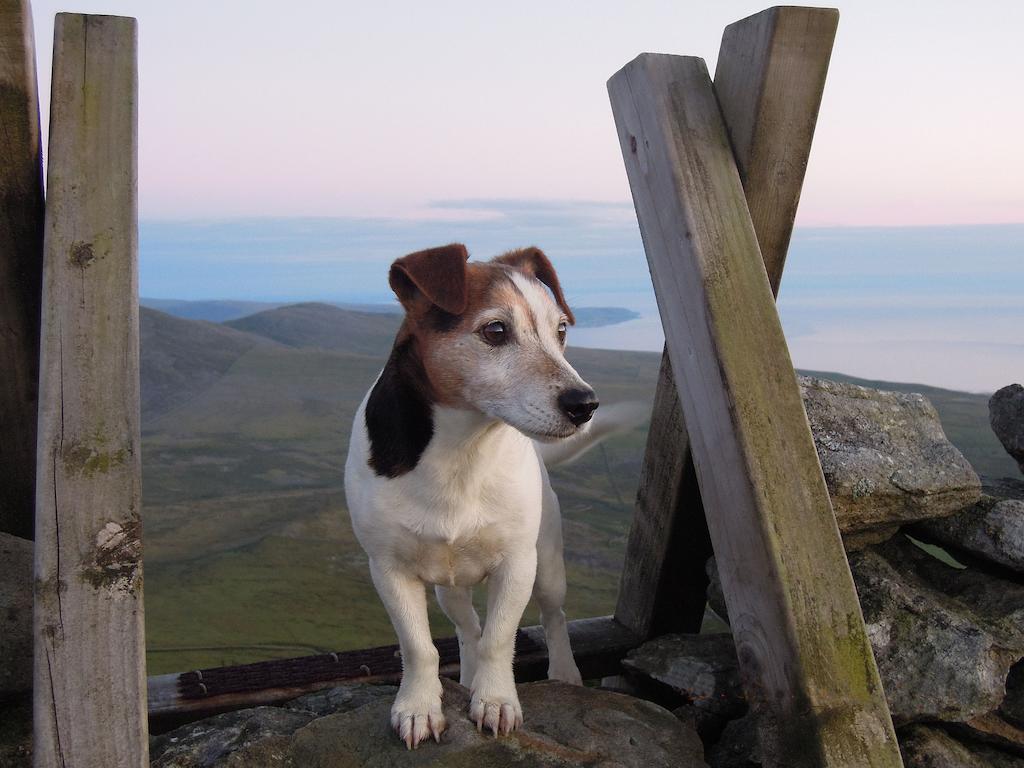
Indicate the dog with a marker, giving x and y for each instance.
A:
(446, 480)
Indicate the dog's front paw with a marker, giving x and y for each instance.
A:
(496, 707)
(415, 715)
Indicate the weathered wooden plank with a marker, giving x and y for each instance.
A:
(662, 586)
(808, 668)
(769, 82)
(90, 682)
(21, 266)
(599, 644)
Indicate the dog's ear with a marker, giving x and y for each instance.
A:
(534, 263)
(436, 276)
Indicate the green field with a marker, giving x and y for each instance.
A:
(249, 551)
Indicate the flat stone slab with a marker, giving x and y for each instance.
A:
(565, 726)
(945, 639)
(701, 669)
(885, 457)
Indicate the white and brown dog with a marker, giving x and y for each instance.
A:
(445, 478)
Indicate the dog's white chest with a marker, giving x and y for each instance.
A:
(457, 515)
(461, 562)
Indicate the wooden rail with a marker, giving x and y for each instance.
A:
(89, 709)
(21, 266)
(769, 81)
(809, 672)
(598, 645)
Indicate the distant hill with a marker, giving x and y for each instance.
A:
(226, 310)
(324, 326)
(215, 310)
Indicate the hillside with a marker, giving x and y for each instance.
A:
(249, 552)
(324, 326)
(181, 358)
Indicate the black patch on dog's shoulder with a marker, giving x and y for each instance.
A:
(399, 416)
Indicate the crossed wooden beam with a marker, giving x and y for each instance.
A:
(716, 172)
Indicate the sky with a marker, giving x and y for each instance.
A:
(383, 108)
(292, 155)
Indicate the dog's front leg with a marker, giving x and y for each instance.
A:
(457, 604)
(495, 703)
(416, 713)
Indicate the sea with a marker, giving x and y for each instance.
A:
(942, 306)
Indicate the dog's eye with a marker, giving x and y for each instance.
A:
(494, 333)
(561, 331)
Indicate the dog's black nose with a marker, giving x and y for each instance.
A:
(578, 405)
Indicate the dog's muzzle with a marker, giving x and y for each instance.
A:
(578, 405)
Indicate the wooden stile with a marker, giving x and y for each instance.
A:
(90, 683)
(769, 82)
(808, 668)
(21, 266)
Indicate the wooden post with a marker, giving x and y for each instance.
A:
(808, 668)
(769, 81)
(21, 266)
(90, 683)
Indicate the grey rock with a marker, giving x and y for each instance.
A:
(702, 670)
(925, 747)
(212, 741)
(855, 541)
(944, 639)
(15, 615)
(993, 529)
(1003, 487)
(994, 604)
(738, 746)
(263, 730)
(1012, 708)
(993, 730)
(885, 457)
(565, 726)
(342, 698)
(1006, 414)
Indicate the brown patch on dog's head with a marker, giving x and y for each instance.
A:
(435, 277)
(534, 263)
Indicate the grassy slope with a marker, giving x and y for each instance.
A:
(249, 552)
(324, 326)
